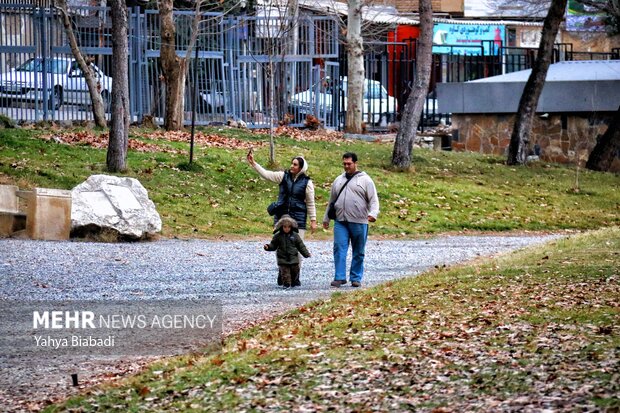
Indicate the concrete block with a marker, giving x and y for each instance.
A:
(8, 198)
(11, 222)
(437, 143)
(49, 214)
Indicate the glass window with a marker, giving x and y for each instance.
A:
(36, 65)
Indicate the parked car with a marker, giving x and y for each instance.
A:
(64, 82)
(377, 106)
(210, 97)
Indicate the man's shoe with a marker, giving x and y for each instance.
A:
(356, 284)
(338, 283)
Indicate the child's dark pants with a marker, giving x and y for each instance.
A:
(289, 275)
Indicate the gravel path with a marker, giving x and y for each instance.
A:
(239, 273)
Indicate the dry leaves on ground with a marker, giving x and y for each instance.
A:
(100, 141)
(305, 134)
(209, 140)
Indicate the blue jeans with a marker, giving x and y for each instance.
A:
(355, 234)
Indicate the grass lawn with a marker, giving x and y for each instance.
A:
(222, 195)
(527, 331)
(530, 330)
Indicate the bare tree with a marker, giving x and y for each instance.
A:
(403, 145)
(119, 126)
(355, 70)
(275, 30)
(94, 86)
(173, 66)
(519, 140)
(519, 8)
(611, 8)
(277, 36)
(359, 28)
(607, 148)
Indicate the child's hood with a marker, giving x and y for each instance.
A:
(286, 219)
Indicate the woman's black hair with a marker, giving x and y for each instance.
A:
(301, 162)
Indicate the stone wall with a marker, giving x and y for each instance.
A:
(561, 138)
(595, 42)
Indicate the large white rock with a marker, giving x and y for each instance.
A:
(121, 204)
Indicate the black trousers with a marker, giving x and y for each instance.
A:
(288, 275)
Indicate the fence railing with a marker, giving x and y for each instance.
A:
(261, 69)
(241, 67)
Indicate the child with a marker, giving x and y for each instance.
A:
(288, 244)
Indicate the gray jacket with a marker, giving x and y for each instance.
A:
(358, 200)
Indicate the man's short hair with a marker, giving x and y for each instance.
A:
(350, 155)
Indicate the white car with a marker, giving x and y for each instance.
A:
(377, 106)
(62, 78)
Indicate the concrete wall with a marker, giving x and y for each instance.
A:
(490, 134)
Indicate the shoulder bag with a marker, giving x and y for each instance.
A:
(331, 209)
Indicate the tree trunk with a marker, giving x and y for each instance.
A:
(293, 49)
(173, 68)
(119, 124)
(520, 138)
(607, 148)
(403, 145)
(355, 72)
(94, 86)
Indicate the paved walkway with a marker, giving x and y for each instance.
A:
(239, 273)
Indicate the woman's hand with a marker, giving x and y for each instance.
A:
(312, 226)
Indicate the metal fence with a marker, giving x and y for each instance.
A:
(262, 69)
(246, 68)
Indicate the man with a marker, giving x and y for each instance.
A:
(355, 206)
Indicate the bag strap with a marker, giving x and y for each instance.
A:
(345, 184)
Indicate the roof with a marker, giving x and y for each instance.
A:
(566, 71)
(506, 8)
(370, 14)
(488, 22)
(388, 15)
(580, 86)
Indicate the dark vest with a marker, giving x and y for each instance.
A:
(293, 196)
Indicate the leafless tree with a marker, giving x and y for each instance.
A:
(355, 69)
(609, 7)
(607, 148)
(520, 8)
(358, 28)
(519, 140)
(119, 126)
(403, 145)
(277, 28)
(276, 38)
(173, 67)
(94, 86)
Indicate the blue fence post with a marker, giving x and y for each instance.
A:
(45, 95)
(139, 63)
